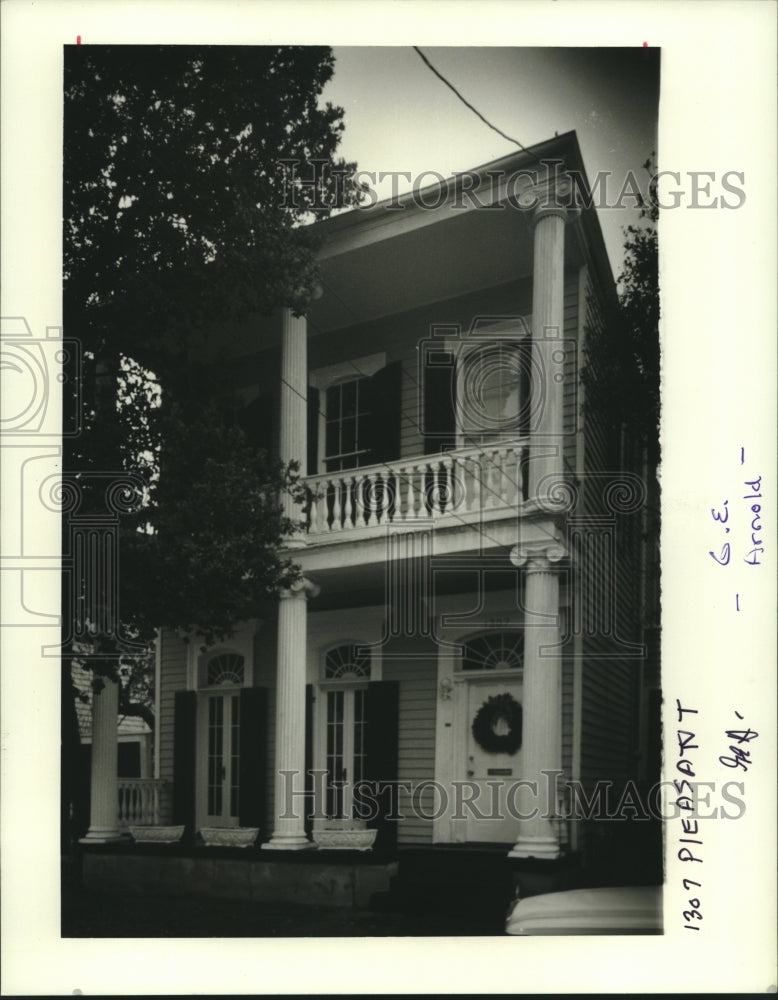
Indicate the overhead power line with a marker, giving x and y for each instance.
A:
(467, 103)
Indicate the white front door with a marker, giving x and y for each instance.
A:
(219, 728)
(493, 772)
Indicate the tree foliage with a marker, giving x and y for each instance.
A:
(179, 219)
(623, 370)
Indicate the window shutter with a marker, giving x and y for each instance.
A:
(308, 759)
(258, 421)
(252, 759)
(313, 430)
(383, 424)
(184, 751)
(439, 386)
(381, 753)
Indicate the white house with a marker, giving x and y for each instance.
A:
(479, 606)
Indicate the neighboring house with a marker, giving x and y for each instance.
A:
(480, 600)
(134, 735)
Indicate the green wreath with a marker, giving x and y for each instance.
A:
(499, 706)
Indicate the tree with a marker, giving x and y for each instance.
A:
(623, 367)
(185, 206)
(185, 201)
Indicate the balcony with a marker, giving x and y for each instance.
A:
(139, 802)
(458, 487)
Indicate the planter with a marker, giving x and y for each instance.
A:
(344, 840)
(236, 836)
(156, 834)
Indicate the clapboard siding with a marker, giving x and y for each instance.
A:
(567, 716)
(570, 413)
(416, 744)
(173, 657)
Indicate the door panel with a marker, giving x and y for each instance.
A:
(219, 799)
(492, 773)
(345, 749)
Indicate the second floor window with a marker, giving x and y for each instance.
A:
(354, 421)
(347, 416)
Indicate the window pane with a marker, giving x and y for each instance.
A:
(234, 758)
(333, 438)
(215, 757)
(348, 435)
(333, 403)
(349, 398)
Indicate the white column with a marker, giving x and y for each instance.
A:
(547, 333)
(542, 696)
(104, 802)
(289, 831)
(294, 408)
(542, 688)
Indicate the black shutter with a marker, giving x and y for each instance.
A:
(258, 421)
(308, 758)
(313, 430)
(252, 765)
(439, 387)
(381, 754)
(383, 423)
(184, 750)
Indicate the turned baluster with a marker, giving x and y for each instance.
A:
(378, 498)
(349, 513)
(451, 486)
(412, 500)
(313, 513)
(337, 511)
(401, 501)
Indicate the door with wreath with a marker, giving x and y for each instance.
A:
(493, 760)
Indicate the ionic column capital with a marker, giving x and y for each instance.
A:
(301, 590)
(538, 557)
(555, 197)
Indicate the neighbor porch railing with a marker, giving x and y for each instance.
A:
(139, 801)
(456, 484)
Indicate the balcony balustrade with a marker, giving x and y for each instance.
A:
(455, 486)
(139, 801)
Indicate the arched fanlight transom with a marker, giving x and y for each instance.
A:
(225, 668)
(494, 651)
(343, 664)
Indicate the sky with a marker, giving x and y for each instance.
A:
(400, 117)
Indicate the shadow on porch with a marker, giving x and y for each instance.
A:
(126, 907)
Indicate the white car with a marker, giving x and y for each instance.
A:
(618, 910)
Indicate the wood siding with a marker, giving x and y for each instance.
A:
(416, 738)
(173, 655)
(610, 679)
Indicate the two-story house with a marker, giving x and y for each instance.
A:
(470, 635)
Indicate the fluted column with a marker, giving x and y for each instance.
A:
(289, 804)
(547, 348)
(294, 415)
(542, 696)
(104, 801)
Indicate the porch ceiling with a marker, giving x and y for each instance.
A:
(426, 257)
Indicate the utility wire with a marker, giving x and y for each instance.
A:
(468, 105)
